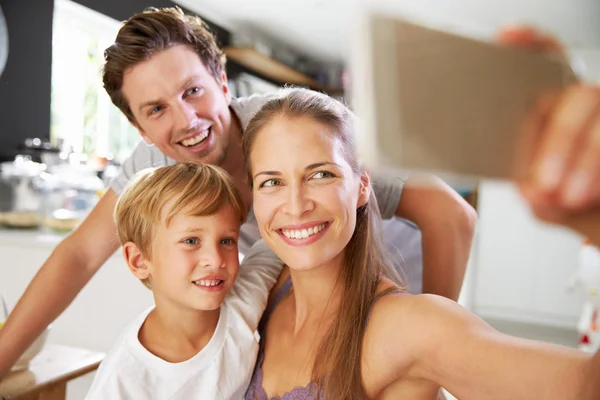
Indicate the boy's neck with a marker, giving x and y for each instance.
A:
(176, 335)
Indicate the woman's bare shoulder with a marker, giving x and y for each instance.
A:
(401, 328)
(408, 324)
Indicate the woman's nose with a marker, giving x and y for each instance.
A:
(297, 201)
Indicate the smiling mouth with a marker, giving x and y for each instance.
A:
(303, 233)
(208, 282)
(196, 139)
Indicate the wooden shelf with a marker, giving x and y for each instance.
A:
(268, 67)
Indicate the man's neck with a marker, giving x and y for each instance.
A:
(234, 159)
(176, 334)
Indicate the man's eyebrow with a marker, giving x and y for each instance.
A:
(158, 101)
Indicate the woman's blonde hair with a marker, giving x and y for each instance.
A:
(197, 189)
(337, 365)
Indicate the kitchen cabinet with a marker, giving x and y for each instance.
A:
(521, 266)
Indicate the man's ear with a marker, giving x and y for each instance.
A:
(222, 81)
(364, 189)
(136, 261)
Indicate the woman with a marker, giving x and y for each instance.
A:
(338, 326)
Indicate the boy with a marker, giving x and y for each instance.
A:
(179, 227)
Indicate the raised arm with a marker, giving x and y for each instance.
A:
(70, 266)
(258, 273)
(449, 346)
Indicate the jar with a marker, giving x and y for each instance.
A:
(23, 185)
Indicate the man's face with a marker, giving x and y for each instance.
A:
(179, 106)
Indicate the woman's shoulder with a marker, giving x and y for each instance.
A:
(410, 321)
(402, 329)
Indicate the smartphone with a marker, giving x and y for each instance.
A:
(442, 102)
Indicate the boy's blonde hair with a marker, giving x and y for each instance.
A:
(199, 189)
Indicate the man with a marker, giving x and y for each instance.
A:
(166, 74)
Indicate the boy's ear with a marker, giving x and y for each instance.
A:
(136, 261)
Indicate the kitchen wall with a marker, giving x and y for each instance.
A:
(25, 82)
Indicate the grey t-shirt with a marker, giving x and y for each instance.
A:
(402, 237)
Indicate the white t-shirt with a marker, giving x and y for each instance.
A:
(221, 370)
(402, 237)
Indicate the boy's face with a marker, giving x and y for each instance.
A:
(194, 261)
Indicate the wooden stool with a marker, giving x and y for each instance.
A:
(49, 372)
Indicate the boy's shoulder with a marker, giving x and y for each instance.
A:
(120, 363)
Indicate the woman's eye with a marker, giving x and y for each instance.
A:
(191, 241)
(271, 183)
(323, 174)
(228, 242)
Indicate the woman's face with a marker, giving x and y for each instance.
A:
(305, 192)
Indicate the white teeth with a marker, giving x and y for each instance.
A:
(303, 233)
(196, 139)
(208, 282)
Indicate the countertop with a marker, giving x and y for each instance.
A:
(31, 237)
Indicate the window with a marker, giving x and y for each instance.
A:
(83, 119)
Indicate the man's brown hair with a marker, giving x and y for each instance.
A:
(149, 32)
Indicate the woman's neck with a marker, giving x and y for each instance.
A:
(176, 334)
(317, 292)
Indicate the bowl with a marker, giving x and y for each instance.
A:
(33, 350)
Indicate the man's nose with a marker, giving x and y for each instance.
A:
(185, 116)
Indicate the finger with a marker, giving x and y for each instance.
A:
(542, 205)
(573, 113)
(586, 224)
(528, 38)
(530, 135)
(581, 189)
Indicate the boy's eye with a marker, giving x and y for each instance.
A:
(228, 242)
(323, 174)
(271, 183)
(191, 241)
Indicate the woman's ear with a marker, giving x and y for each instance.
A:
(136, 261)
(364, 189)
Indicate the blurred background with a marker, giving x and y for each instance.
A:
(62, 140)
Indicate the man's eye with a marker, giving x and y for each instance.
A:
(155, 110)
(323, 174)
(191, 241)
(192, 91)
(271, 183)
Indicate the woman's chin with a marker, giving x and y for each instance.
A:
(307, 263)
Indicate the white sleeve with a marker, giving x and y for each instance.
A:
(258, 273)
(143, 156)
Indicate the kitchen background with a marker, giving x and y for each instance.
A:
(61, 140)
